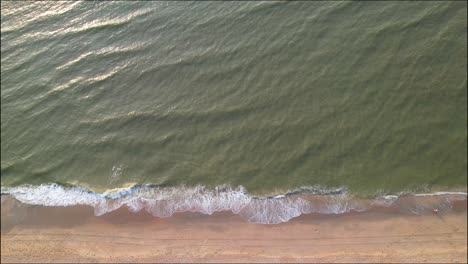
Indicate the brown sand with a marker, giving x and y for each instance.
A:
(74, 234)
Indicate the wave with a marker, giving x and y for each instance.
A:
(166, 201)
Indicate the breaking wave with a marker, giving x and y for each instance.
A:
(166, 201)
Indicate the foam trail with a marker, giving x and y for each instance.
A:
(164, 202)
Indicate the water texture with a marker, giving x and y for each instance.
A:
(271, 96)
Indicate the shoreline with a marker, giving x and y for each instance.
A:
(165, 202)
(74, 234)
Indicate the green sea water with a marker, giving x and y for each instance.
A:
(371, 96)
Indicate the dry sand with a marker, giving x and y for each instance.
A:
(74, 234)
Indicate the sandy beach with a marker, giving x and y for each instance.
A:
(74, 234)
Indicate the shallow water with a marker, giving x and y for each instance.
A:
(165, 202)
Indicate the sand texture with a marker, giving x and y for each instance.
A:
(74, 234)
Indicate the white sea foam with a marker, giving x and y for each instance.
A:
(164, 202)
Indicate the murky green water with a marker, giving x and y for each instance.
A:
(268, 95)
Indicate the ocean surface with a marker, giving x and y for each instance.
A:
(185, 101)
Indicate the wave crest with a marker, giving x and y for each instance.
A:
(164, 202)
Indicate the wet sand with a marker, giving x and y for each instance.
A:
(74, 234)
